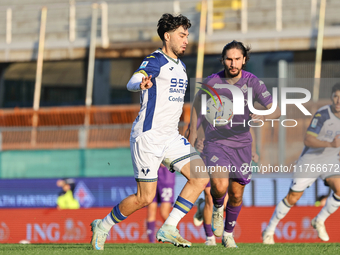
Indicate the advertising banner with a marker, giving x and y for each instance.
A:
(107, 192)
(43, 193)
(73, 226)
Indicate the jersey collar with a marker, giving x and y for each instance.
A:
(176, 61)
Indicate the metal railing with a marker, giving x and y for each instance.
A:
(229, 15)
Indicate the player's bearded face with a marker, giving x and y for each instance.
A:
(179, 41)
(233, 62)
(336, 101)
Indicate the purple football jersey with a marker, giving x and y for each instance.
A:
(237, 136)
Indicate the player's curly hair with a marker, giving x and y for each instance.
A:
(237, 45)
(336, 87)
(168, 22)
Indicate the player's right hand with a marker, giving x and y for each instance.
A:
(199, 145)
(336, 142)
(146, 83)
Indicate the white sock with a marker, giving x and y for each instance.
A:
(280, 212)
(107, 222)
(174, 217)
(332, 204)
(219, 209)
(210, 237)
(227, 233)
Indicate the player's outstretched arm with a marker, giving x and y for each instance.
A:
(139, 82)
(312, 141)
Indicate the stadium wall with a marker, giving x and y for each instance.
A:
(65, 163)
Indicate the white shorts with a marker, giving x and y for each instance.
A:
(147, 156)
(308, 170)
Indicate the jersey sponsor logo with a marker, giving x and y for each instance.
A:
(144, 64)
(329, 133)
(318, 115)
(182, 91)
(244, 88)
(314, 123)
(214, 159)
(181, 83)
(176, 99)
(150, 57)
(266, 94)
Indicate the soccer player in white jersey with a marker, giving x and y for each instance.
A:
(321, 156)
(161, 80)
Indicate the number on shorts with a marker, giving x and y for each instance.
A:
(185, 141)
(166, 194)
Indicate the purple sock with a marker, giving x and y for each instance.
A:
(208, 230)
(231, 214)
(151, 231)
(218, 202)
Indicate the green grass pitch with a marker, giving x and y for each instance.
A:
(168, 249)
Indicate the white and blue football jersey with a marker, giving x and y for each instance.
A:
(162, 104)
(324, 126)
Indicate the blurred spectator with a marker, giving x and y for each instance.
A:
(321, 201)
(66, 199)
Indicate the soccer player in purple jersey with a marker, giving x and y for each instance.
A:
(205, 206)
(229, 146)
(164, 197)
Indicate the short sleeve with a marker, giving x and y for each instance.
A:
(317, 122)
(149, 66)
(261, 94)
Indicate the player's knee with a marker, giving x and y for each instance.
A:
(235, 199)
(144, 200)
(201, 183)
(219, 190)
(293, 197)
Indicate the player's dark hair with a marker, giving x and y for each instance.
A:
(168, 22)
(237, 45)
(336, 87)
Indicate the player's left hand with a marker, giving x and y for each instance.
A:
(199, 145)
(254, 157)
(257, 118)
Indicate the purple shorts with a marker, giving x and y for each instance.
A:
(165, 186)
(235, 162)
